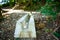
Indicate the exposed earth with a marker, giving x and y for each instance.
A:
(7, 28)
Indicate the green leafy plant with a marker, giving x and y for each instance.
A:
(51, 8)
(12, 3)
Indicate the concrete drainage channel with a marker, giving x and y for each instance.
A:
(25, 28)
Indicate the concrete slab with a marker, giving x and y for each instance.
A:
(25, 27)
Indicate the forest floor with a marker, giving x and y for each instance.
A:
(7, 28)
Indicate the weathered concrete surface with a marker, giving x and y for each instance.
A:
(25, 27)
